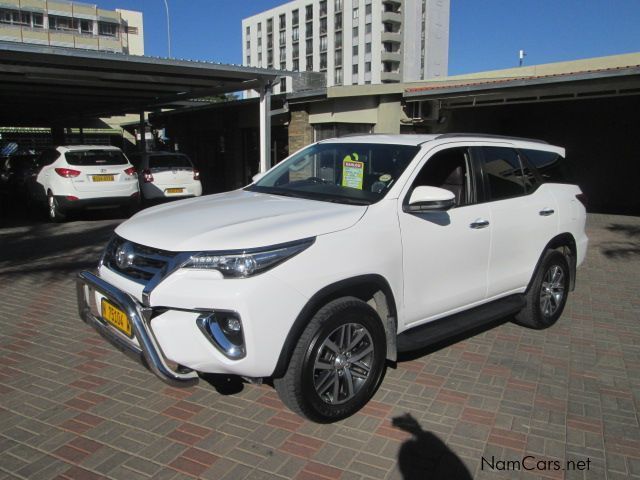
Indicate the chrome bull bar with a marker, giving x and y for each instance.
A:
(149, 352)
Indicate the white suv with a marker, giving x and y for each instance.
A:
(84, 176)
(166, 175)
(342, 255)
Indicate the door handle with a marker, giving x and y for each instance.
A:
(479, 224)
(546, 212)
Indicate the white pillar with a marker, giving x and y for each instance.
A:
(265, 128)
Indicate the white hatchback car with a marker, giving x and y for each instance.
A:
(84, 176)
(165, 175)
(342, 255)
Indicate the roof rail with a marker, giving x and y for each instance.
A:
(488, 135)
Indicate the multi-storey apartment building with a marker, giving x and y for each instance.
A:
(71, 24)
(353, 41)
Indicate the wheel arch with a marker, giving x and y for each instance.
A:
(566, 244)
(373, 289)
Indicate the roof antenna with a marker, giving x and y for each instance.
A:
(521, 56)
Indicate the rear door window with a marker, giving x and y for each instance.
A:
(503, 173)
(169, 161)
(95, 158)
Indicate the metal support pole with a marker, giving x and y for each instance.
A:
(166, 6)
(265, 128)
(142, 145)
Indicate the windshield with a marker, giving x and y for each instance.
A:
(169, 161)
(95, 157)
(358, 173)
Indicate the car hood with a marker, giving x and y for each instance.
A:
(236, 220)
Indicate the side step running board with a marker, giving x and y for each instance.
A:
(444, 328)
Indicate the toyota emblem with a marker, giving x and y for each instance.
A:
(125, 255)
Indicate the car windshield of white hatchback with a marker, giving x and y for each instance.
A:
(169, 161)
(95, 157)
(354, 173)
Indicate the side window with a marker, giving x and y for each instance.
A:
(448, 169)
(551, 166)
(503, 172)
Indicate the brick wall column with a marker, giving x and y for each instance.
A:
(300, 131)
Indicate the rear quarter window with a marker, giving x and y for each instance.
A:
(553, 168)
(95, 157)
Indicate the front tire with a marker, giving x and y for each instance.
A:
(547, 294)
(337, 364)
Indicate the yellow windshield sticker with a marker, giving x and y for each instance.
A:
(352, 172)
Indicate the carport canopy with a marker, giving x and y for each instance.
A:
(42, 86)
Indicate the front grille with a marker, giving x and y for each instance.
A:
(146, 262)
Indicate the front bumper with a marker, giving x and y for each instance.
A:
(147, 350)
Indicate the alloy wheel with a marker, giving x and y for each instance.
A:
(552, 290)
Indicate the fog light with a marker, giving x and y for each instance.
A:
(224, 331)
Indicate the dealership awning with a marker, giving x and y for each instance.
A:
(42, 86)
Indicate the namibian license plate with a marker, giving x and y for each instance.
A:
(103, 178)
(174, 190)
(116, 317)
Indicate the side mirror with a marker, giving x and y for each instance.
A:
(257, 176)
(430, 199)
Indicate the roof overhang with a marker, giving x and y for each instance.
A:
(566, 86)
(44, 86)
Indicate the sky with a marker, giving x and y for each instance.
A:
(484, 34)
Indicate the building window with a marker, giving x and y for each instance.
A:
(356, 13)
(355, 34)
(338, 58)
(68, 23)
(283, 53)
(338, 40)
(367, 28)
(354, 69)
(367, 47)
(37, 19)
(283, 65)
(269, 59)
(323, 8)
(338, 76)
(296, 65)
(296, 50)
(248, 44)
(323, 26)
(323, 61)
(283, 85)
(338, 21)
(367, 9)
(86, 27)
(323, 44)
(259, 27)
(248, 60)
(283, 37)
(367, 67)
(15, 17)
(283, 21)
(259, 59)
(354, 50)
(295, 17)
(309, 63)
(270, 25)
(259, 41)
(269, 41)
(308, 12)
(107, 29)
(309, 46)
(247, 31)
(295, 34)
(338, 6)
(309, 28)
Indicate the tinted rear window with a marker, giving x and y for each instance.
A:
(96, 157)
(552, 167)
(169, 161)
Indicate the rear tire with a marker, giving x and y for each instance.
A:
(546, 297)
(55, 214)
(338, 363)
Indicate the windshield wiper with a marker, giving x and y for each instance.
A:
(349, 201)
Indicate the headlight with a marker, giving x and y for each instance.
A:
(248, 262)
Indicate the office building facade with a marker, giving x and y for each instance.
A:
(71, 24)
(355, 42)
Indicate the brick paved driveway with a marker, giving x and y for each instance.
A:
(72, 407)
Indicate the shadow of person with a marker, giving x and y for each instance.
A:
(425, 456)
